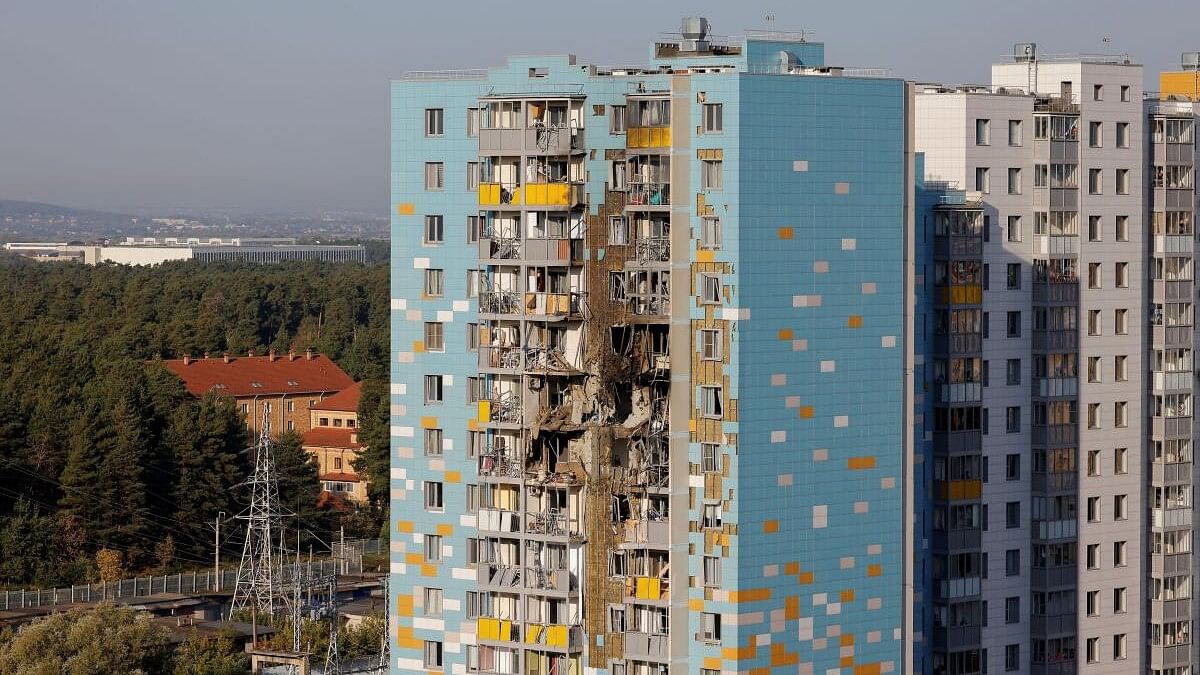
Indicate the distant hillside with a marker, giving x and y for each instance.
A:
(20, 209)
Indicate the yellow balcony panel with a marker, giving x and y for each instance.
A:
(648, 588)
(485, 411)
(956, 490)
(556, 636)
(962, 295)
(489, 194)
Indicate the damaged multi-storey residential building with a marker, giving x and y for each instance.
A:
(649, 402)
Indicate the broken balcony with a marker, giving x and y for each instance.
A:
(559, 637)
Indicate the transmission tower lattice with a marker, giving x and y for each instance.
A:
(385, 647)
(333, 659)
(259, 582)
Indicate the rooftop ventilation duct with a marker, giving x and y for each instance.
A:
(695, 34)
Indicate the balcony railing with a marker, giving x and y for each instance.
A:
(653, 305)
(552, 523)
(649, 194)
(498, 630)
(653, 249)
(1171, 517)
(504, 358)
(499, 302)
(554, 636)
(500, 465)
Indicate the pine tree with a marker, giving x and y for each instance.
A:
(209, 440)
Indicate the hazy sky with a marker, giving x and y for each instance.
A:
(282, 105)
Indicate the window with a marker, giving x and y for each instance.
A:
(1014, 228)
(1014, 181)
(710, 289)
(1121, 461)
(433, 496)
(1095, 182)
(983, 181)
(473, 117)
(1041, 177)
(433, 548)
(711, 571)
(1012, 515)
(619, 175)
(433, 389)
(1125, 93)
(1121, 321)
(1012, 372)
(1122, 134)
(433, 442)
(472, 176)
(434, 283)
(1119, 653)
(1012, 609)
(1095, 134)
(435, 176)
(983, 132)
(710, 627)
(714, 118)
(433, 602)
(710, 232)
(618, 231)
(473, 283)
(435, 339)
(472, 498)
(474, 229)
(616, 287)
(1121, 414)
(710, 174)
(434, 118)
(433, 655)
(710, 344)
(1012, 466)
(1093, 643)
(291, 425)
(1095, 275)
(1012, 562)
(1014, 132)
(1013, 276)
(1014, 324)
(987, 276)
(1093, 463)
(1120, 508)
(711, 517)
(1012, 657)
(1092, 556)
(616, 119)
(1093, 322)
(987, 324)
(472, 336)
(1093, 509)
(1093, 415)
(1120, 369)
(1094, 370)
(1122, 228)
(1121, 274)
(1097, 92)
(1122, 181)
(710, 458)
(1012, 419)
(616, 619)
(710, 402)
(1119, 599)
(1095, 229)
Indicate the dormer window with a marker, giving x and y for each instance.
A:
(256, 385)
(293, 383)
(323, 422)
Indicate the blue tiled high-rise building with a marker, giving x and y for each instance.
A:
(652, 349)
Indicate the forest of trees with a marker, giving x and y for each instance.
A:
(107, 465)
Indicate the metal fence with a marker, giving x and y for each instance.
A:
(346, 559)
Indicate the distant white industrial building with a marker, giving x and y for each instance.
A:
(154, 251)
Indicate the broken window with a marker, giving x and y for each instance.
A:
(712, 516)
(617, 564)
(710, 402)
(616, 286)
(710, 289)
